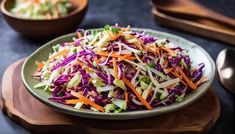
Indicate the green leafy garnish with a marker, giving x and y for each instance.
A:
(106, 27)
(74, 50)
(94, 64)
(115, 30)
(152, 64)
(93, 33)
(146, 79)
(180, 98)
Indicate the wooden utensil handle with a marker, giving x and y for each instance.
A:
(221, 18)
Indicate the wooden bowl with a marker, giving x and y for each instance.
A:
(45, 28)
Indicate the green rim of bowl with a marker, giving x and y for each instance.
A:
(196, 53)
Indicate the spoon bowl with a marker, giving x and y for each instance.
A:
(226, 69)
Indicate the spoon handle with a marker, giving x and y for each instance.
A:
(221, 18)
(190, 8)
(210, 15)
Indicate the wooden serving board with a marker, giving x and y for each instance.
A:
(198, 26)
(23, 108)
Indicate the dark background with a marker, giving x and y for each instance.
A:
(136, 13)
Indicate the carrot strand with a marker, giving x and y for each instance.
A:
(80, 63)
(116, 55)
(188, 81)
(115, 68)
(96, 60)
(175, 74)
(63, 52)
(178, 76)
(150, 50)
(148, 106)
(171, 52)
(126, 96)
(39, 65)
(116, 36)
(168, 70)
(72, 101)
(87, 101)
(138, 45)
(79, 35)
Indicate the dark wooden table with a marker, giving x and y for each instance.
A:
(136, 13)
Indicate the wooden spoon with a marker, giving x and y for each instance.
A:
(199, 26)
(190, 8)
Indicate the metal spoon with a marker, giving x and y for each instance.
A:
(226, 68)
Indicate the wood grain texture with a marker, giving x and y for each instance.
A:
(20, 106)
(45, 28)
(191, 8)
(198, 26)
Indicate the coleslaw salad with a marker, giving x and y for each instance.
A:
(116, 69)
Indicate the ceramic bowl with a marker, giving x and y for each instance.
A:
(45, 28)
(196, 53)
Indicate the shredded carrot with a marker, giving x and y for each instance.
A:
(39, 65)
(201, 80)
(87, 101)
(171, 52)
(126, 96)
(116, 55)
(148, 106)
(122, 58)
(115, 68)
(165, 64)
(36, 1)
(87, 70)
(80, 63)
(72, 101)
(168, 70)
(96, 60)
(126, 57)
(138, 45)
(79, 35)
(116, 36)
(150, 50)
(177, 75)
(89, 79)
(188, 81)
(150, 93)
(158, 51)
(124, 29)
(62, 52)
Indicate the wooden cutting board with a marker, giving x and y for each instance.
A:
(198, 26)
(23, 108)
